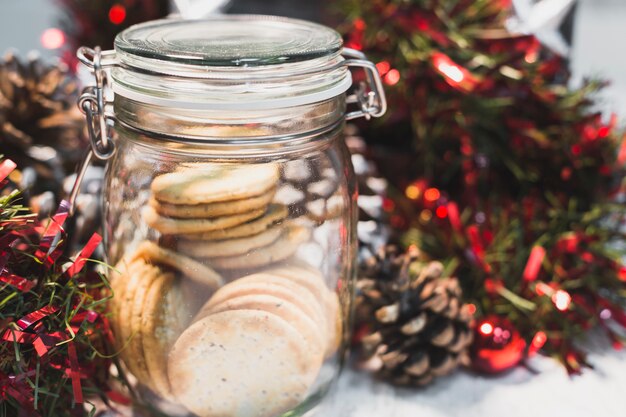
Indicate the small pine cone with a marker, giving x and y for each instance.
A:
(418, 327)
(310, 188)
(373, 228)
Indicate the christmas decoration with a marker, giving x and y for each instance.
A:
(97, 22)
(506, 173)
(544, 19)
(497, 346)
(417, 327)
(41, 128)
(52, 331)
(195, 9)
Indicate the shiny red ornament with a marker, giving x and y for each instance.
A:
(497, 347)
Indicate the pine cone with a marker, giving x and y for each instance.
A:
(418, 327)
(310, 189)
(40, 126)
(373, 227)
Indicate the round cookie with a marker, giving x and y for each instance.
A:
(319, 300)
(314, 282)
(214, 183)
(125, 336)
(275, 213)
(171, 226)
(135, 347)
(119, 283)
(285, 246)
(204, 211)
(240, 363)
(189, 267)
(229, 247)
(164, 318)
(269, 285)
(131, 278)
(286, 310)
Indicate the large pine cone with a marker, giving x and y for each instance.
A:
(418, 327)
(40, 124)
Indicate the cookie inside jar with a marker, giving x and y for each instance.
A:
(219, 299)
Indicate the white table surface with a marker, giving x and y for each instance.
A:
(549, 393)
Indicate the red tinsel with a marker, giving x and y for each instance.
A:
(29, 329)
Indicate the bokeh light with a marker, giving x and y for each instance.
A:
(52, 38)
(117, 14)
(561, 300)
(486, 328)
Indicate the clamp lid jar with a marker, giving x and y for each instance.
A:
(229, 209)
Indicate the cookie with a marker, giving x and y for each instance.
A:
(189, 267)
(229, 247)
(320, 294)
(172, 226)
(134, 321)
(209, 210)
(241, 363)
(269, 285)
(165, 316)
(119, 284)
(286, 310)
(132, 277)
(209, 183)
(314, 282)
(310, 279)
(275, 213)
(285, 246)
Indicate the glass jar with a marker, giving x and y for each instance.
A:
(229, 209)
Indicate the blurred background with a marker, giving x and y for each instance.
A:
(598, 48)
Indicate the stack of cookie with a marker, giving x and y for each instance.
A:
(216, 213)
(148, 310)
(257, 346)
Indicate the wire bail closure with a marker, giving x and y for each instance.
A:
(371, 97)
(92, 104)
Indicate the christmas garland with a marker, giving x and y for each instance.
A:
(501, 171)
(53, 353)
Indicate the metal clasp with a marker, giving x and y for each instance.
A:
(369, 97)
(92, 104)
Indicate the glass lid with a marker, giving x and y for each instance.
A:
(230, 41)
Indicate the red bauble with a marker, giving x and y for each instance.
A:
(497, 345)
